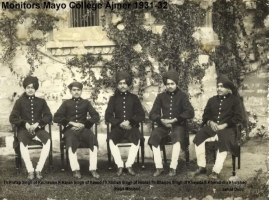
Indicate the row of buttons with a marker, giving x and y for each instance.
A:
(32, 109)
(220, 108)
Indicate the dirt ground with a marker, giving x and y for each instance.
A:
(251, 180)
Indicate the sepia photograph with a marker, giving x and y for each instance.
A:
(134, 99)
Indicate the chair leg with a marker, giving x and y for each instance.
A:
(239, 158)
(187, 156)
(62, 158)
(109, 156)
(138, 156)
(214, 154)
(17, 160)
(50, 158)
(143, 154)
(67, 157)
(164, 155)
(233, 163)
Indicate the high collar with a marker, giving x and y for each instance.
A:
(172, 93)
(122, 93)
(28, 97)
(224, 96)
(76, 99)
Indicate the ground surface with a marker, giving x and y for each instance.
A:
(61, 185)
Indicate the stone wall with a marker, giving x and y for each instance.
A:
(66, 42)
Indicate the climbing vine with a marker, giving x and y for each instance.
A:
(239, 48)
(141, 49)
(35, 26)
(138, 47)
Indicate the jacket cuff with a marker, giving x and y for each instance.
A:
(158, 121)
(229, 123)
(119, 122)
(65, 122)
(132, 122)
(88, 124)
(23, 124)
(180, 119)
(41, 124)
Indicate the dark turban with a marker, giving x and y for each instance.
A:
(75, 84)
(172, 75)
(31, 80)
(124, 75)
(227, 83)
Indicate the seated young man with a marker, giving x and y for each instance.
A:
(221, 114)
(72, 114)
(124, 112)
(31, 114)
(170, 111)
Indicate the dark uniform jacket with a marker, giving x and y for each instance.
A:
(170, 105)
(222, 109)
(121, 107)
(30, 110)
(76, 110)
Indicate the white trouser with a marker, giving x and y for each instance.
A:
(201, 157)
(73, 159)
(117, 157)
(42, 159)
(174, 158)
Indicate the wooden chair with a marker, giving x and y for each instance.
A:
(213, 146)
(34, 144)
(62, 145)
(167, 141)
(126, 143)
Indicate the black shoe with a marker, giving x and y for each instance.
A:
(158, 172)
(200, 170)
(131, 171)
(31, 176)
(38, 175)
(119, 172)
(214, 175)
(172, 172)
(94, 174)
(76, 174)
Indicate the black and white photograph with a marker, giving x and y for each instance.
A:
(134, 99)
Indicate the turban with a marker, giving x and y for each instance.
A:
(124, 75)
(31, 80)
(227, 83)
(172, 75)
(75, 84)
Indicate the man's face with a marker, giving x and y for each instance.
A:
(30, 90)
(222, 90)
(170, 85)
(76, 92)
(122, 86)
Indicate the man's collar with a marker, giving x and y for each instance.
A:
(29, 97)
(172, 93)
(76, 99)
(223, 96)
(122, 93)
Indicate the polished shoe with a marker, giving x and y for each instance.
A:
(119, 172)
(131, 171)
(214, 175)
(200, 170)
(94, 174)
(31, 176)
(158, 172)
(38, 175)
(76, 174)
(172, 172)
